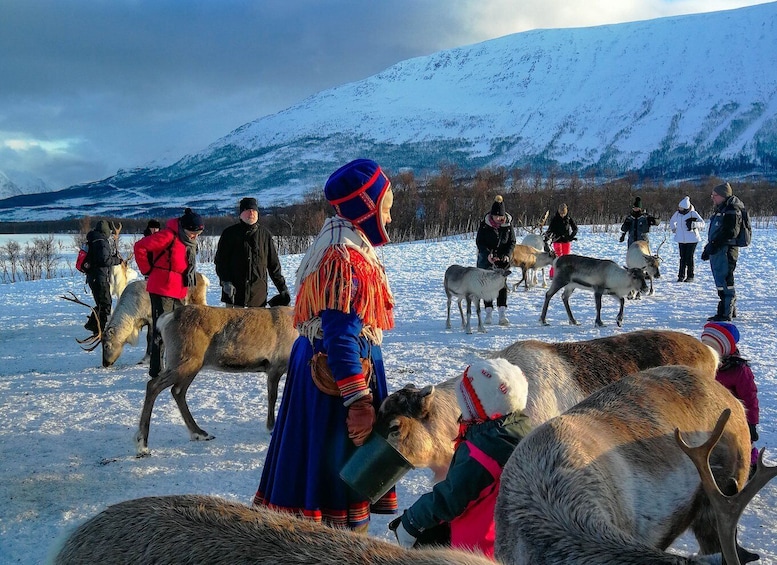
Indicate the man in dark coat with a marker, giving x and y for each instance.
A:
(101, 257)
(245, 255)
(638, 223)
(721, 250)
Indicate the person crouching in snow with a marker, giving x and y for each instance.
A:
(492, 396)
(734, 373)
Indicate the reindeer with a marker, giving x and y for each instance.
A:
(527, 258)
(207, 529)
(472, 284)
(534, 239)
(422, 423)
(228, 339)
(602, 276)
(132, 314)
(606, 482)
(638, 256)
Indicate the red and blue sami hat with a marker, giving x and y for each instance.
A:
(356, 190)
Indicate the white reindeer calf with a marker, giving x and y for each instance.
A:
(607, 482)
(236, 340)
(527, 258)
(473, 285)
(638, 256)
(209, 530)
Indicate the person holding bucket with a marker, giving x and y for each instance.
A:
(492, 396)
(336, 379)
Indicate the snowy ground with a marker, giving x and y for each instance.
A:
(66, 423)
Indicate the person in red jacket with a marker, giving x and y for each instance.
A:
(734, 373)
(168, 259)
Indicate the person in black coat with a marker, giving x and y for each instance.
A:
(637, 224)
(495, 241)
(562, 231)
(101, 257)
(245, 255)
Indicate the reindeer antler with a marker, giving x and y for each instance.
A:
(727, 509)
(96, 338)
(660, 244)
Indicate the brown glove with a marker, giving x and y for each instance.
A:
(361, 417)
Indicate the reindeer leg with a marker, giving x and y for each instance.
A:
(554, 288)
(565, 298)
(273, 379)
(619, 319)
(481, 328)
(469, 315)
(178, 391)
(448, 321)
(153, 388)
(461, 313)
(598, 301)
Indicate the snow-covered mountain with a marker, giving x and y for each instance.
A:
(669, 98)
(14, 183)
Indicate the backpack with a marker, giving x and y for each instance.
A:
(745, 234)
(81, 263)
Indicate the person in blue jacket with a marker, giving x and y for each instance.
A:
(342, 307)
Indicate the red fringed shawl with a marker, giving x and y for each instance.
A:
(346, 280)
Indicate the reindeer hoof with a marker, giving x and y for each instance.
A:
(601, 325)
(620, 323)
(543, 322)
(202, 436)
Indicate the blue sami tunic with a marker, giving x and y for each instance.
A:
(310, 443)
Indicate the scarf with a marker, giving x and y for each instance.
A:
(191, 257)
(341, 271)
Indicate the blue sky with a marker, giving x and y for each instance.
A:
(91, 86)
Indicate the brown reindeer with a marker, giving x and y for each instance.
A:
(205, 529)
(228, 339)
(606, 482)
(422, 423)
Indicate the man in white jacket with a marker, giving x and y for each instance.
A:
(686, 224)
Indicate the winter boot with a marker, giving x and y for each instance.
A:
(489, 312)
(718, 317)
(689, 278)
(91, 324)
(503, 321)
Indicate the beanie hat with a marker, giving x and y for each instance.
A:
(637, 202)
(498, 207)
(153, 224)
(721, 336)
(103, 227)
(191, 221)
(491, 388)
(724, 190)
(248, 204)
(356, 191)
(685, 203)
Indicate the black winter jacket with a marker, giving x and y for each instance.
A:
(244, 256)
(562, 229)
(100, 257)
(495, 241)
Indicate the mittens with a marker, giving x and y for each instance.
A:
(623, 236)
(403, 537)
(360, 419)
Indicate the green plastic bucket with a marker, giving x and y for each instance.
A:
(374, 468)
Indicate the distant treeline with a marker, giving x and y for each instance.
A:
(452, 202)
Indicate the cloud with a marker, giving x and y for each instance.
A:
(134, 81)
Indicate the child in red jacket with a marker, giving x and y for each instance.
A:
(734, 373)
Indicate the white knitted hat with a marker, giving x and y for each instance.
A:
(685, 203)
(491, 388)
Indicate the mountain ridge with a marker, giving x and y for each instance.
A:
(668, 98)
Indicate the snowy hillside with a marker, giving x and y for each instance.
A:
(679, 96)
(15, 183)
